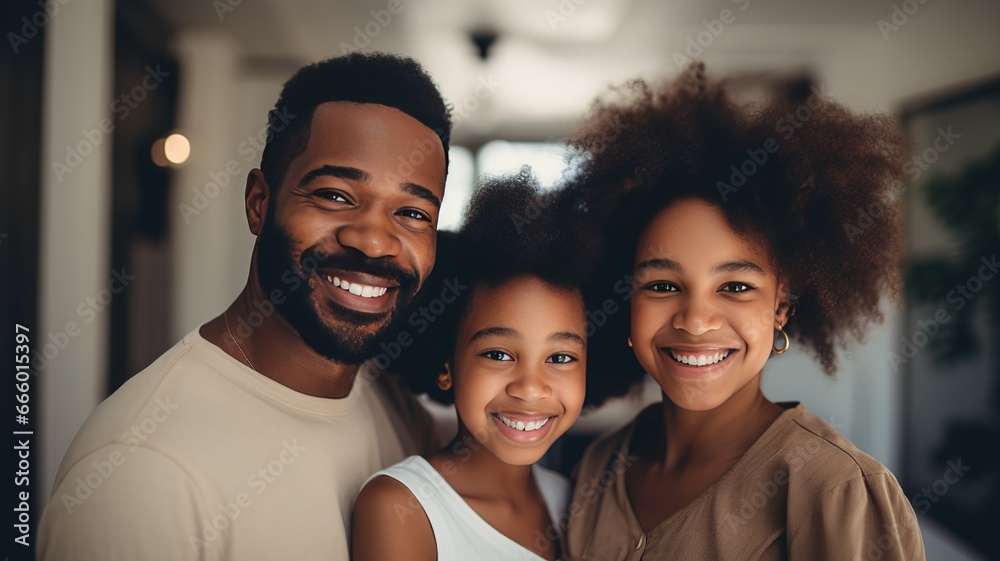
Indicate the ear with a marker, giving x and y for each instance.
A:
(444, 380)
(258, 197)
(782, 304)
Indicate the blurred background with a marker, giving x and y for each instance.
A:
(129, 127)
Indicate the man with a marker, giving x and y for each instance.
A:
(252, 436)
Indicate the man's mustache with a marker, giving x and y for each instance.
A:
(314, 258)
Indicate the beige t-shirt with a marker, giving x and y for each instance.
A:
(200, 457)
(801, 492)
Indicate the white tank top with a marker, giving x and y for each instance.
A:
(460, 533)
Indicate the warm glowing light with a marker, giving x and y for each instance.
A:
(176, 148)
(158, 155)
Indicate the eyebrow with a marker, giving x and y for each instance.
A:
(739, 267)
(343, 172)
(727, 267)
(355, 174)
(421, 192)
(496, 332)
(513, 333)
(659, 265)
(567, 336)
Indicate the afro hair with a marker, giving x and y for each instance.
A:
(794, 171)
(512, 230)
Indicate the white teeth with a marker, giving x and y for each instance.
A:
(699, 360)
(357, 289)
(521, 425)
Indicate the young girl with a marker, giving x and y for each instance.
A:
(737, 228)
(508, 342)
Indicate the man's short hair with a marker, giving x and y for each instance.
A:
(379, 78)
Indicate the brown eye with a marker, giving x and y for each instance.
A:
(414, 214)
(660, 286)
(736, 287)
(560, 358)
(330, 195)
(497, 355)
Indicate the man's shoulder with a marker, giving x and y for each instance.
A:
(180, 379)
(411, 420)
(169, 374)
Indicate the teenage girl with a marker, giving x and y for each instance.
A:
(731, 226)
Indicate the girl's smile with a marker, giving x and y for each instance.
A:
(519, 367)
(698, 362)
(523, 428)
(706, 304)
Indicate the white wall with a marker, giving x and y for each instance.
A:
(202, 238)
(75, 226)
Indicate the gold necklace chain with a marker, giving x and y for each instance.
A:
(225, 318)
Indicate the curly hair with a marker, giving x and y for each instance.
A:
(512, 230)
(798, 173)
(379, 78)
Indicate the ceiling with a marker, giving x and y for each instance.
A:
(550, 57)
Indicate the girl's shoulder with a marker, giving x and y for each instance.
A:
(389, 521)
(832, 488)
(814, 452)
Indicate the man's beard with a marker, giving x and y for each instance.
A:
(351, 343)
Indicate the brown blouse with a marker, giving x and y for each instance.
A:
(802, 492)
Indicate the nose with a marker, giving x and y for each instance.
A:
(529, 385)
(370, 232)
(696, 316)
